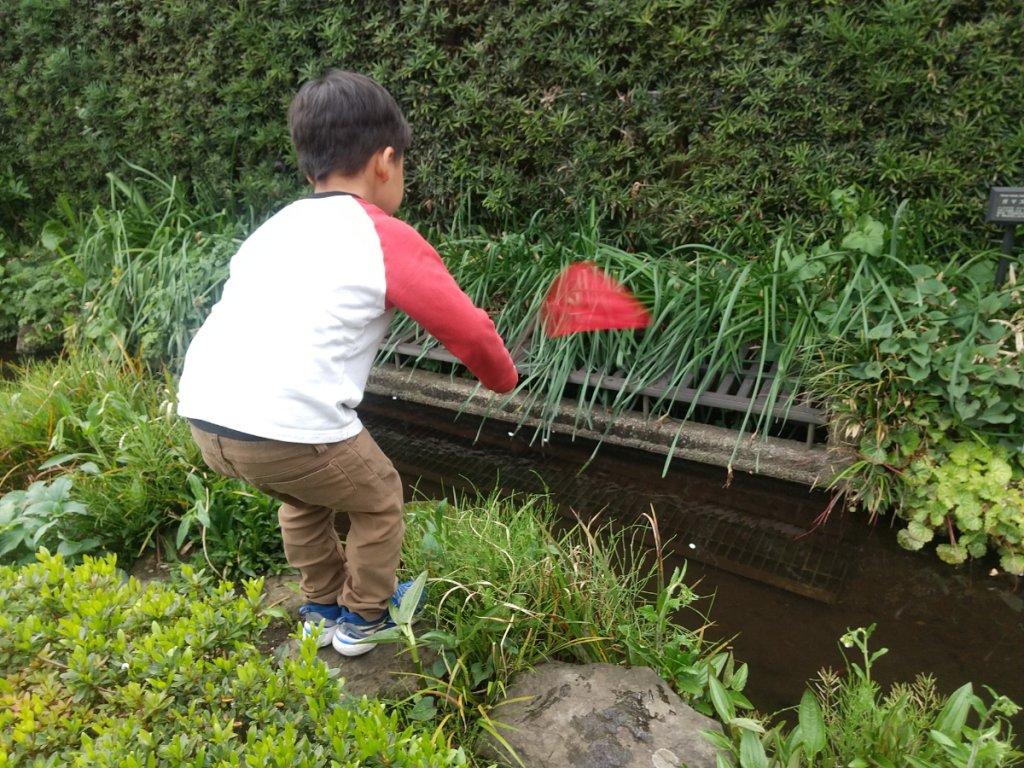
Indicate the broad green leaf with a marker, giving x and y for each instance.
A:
(41, 530)
(56, 461)
(430, 547)
(183, 526)
(966, 409)
(918, 373)
(872, 370)
(717, 739)
(720, 699)
(997, 414)
(424, 709)
(881, 331)
(941, 738)
(991, 304)
(12, 540)
(931, 287)
(71, 548)
(957, 389)
(52, 235)
(812, 724)
(410, 600)
(747, 724)
(954, 715)
(1008, 377)
(867, 236)
(920, 271)
(739, 678)
(195, 484)
(203, 513)
(752, 753)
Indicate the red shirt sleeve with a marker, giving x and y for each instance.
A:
(419, 284)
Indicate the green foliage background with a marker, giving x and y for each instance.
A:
(681, 118)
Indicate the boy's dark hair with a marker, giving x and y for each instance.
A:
(338, 121)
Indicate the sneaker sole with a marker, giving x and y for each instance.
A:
(353, 649)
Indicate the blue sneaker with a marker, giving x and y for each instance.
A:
(354, 634)
(319, 621)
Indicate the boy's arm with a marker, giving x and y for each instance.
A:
(419, 284)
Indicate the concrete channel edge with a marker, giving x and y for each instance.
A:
(814, 466)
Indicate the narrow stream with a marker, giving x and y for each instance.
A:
(782, 593)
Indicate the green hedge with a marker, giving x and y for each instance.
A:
(686, 120)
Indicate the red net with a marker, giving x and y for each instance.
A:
(584, 298)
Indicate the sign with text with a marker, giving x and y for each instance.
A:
(1005, 205)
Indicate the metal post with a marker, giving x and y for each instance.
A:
(1004, 260)
(1006, 207)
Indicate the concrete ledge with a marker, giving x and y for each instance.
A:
(790, 460)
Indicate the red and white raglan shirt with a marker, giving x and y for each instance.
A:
(286, 352)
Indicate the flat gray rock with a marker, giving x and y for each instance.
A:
(599, 716)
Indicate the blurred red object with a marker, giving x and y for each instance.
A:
(584, 298)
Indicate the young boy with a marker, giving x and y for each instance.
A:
(272, 380)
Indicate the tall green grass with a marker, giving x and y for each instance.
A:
(716, 313)
(107, 425)
(799, 323)
(148, 266)
(511, 585)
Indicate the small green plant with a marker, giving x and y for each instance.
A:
(846, 720)
(36, 298)
(405, 612)
(974, 493)
(700, 672)
(234, 525)
(926, 394)
(147, 268)
(31, 519)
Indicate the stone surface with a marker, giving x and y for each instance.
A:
(599, 716)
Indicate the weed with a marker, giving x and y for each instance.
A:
(846, 720)
(512, 593)
(103, 431)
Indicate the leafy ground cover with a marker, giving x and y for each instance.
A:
(98, 669)
(173, 670)
(93, 459)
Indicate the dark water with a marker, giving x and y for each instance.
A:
(782, 594)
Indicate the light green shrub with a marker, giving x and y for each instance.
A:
(99, 670)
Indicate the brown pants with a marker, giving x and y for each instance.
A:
(314, 483)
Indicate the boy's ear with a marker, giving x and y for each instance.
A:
(384, 162)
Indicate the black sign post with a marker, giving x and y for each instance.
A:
(1006, 207)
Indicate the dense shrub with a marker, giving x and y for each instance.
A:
(686, 120)
(99, 670)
